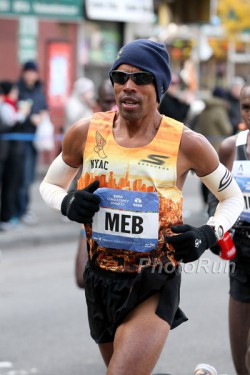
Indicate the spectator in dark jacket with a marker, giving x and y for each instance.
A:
(213, 122)
(11, 117)
(30, 89)
(171, 104)
(3, 143)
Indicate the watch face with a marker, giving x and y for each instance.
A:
(220, 231)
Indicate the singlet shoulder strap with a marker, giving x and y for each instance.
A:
(241, 142)
(242, 138)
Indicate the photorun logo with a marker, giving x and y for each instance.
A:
(155, 161)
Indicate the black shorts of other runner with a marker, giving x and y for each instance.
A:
(240, 270)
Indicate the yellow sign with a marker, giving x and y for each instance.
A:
(234, 16)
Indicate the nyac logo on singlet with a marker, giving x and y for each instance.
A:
(154, 161)
(99, 164)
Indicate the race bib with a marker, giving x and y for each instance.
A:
(126, 220)
(241, 173)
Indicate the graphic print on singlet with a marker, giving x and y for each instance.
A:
(241, 172)
(140, 200)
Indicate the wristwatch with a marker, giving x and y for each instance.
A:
(218, 229)
(219, 232)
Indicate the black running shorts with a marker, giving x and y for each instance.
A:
(240, 270)
(240, 283)
(111, 296)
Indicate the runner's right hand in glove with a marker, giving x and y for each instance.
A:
(191, 242)
(81, 205)
(215, 249)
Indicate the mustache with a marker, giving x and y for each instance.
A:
(126, 97)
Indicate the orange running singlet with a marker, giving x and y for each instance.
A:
(139, 197)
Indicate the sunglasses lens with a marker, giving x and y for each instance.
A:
(119, 77)
(143, 78)
(140, 78)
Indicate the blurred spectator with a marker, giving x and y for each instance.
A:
(196, 107)
(12, 117)
(233, 98)
(3, 143)
(189, 96)
(81, 103)
(220, 92)
(106, 96)
(30, 93)
(171, 105)
(213, 122)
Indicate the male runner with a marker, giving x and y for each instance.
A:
(135, 162)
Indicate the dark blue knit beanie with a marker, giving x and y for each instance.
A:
(30, 65)
(150, 57)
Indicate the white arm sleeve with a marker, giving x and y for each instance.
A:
(56, 182)
(223, 185)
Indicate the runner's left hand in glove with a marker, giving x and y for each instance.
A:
(81, 205)
(191, 242)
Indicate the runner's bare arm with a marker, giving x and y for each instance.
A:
(198, 155)
(195, 154)
(64, 168)
(74, 143)
(206, 164)
(227, 152)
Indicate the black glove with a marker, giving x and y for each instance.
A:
(192, 242)
(81, 205)
(215, 249)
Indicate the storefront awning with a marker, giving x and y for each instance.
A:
(67, 10)
(121, 11)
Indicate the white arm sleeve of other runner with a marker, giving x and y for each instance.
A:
(223, 185)
(56, 182)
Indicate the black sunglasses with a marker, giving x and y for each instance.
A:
(140, 78)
